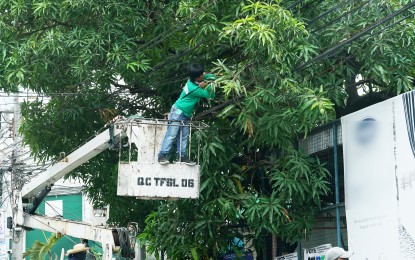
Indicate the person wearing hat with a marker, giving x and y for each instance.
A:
(78, 252)
(337, 253)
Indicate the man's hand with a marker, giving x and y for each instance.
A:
(202, 84)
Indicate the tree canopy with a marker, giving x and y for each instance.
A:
(285, 67)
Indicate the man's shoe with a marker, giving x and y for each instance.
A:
(188, 162)
(163, 160)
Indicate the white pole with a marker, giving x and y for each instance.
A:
(62, 253)
(5, 120)
(18, 234)
(140, 251)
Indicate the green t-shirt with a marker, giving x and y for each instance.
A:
(187, 103)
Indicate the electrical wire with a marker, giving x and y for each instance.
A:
(152, 70)
(46, 224)
(178, 55)
(4, 200)
(331, 51)
(156, 40)
(169, 33)
(294, 4)
(76, 218)
(21, 176)
(314, 20)
(355, 10)
(23, 173)
(305, 6)
(53, 208)
(123, 236)
(391, 25)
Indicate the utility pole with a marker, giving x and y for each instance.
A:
(5, 139)
(18, 234)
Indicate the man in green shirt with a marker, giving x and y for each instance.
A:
(182, 111)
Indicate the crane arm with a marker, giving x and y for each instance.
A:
(68, 227)
(81, 155)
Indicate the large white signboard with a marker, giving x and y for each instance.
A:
(153, 180)
(379, 163)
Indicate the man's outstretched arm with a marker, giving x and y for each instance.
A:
(203, 92)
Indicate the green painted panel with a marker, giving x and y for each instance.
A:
(72, 210)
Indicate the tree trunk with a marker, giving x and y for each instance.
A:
(274, 246)
(351, 90)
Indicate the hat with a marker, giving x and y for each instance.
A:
(77, 249)
(336, 252)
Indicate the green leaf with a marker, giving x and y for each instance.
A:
(194, 254)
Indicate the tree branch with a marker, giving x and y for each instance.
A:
(153, 113)
(38, 30)
(134, 90)
(213, 110)
(56, 24)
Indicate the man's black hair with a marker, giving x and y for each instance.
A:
(195, 70)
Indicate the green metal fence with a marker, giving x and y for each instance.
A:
(325, 142)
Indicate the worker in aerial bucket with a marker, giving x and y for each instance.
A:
(182, 111)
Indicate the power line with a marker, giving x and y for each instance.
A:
(393, 24)
(294, 4)
(362, 33)
(299, 1)
(341, 16)
(312, 21)
(157, 41)
(162, 83)
(177, 56)
(168, 34)
(53, 208)
(7, 198)
(57, 231)
(77, 218)
(43, 223)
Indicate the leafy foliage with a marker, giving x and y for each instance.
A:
(39, 250)
(284, 69)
